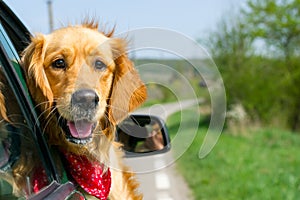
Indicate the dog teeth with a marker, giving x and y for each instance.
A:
(79, 141)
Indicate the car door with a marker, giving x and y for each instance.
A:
(16, 125)
(25, 159)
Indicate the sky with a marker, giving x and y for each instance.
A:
(191, 18)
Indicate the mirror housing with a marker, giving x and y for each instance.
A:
(143, 135)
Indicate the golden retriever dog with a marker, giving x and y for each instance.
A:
(83, 84)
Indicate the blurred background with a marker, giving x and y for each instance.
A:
(255, 45)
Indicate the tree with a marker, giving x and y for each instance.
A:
(230, 40)
(265, 84)
(276, 22)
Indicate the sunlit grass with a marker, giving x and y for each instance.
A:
(263, 165)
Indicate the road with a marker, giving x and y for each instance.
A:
(157, 174)
(165, 110)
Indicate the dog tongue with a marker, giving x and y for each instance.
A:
(80, 129)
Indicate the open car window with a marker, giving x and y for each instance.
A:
(22, 166)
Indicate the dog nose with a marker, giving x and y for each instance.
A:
(85, 98)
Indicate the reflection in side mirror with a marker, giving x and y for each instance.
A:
(143, 135)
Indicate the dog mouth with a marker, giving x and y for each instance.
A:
(79, 131)
(81, 112)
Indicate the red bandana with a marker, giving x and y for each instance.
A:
(88, 175)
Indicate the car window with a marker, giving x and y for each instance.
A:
(22, 169)
(15, 29)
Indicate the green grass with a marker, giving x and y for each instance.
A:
(264, 165)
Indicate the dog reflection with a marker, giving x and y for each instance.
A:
(153, 142)
(139, 139)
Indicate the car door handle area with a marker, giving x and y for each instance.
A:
(58, 192)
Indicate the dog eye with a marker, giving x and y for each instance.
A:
(100, 65)
(59, 63)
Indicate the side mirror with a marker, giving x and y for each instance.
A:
(143, 135)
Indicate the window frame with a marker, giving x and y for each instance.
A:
(18, 37)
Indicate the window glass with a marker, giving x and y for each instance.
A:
(22, 172)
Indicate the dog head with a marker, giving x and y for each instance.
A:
(83, 80)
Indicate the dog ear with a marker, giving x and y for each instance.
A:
(32, 62)
(128, 91)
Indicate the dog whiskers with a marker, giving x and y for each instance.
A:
(44, 103)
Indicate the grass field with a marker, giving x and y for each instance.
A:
(264, 165)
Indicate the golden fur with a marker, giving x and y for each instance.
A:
(119, 88)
